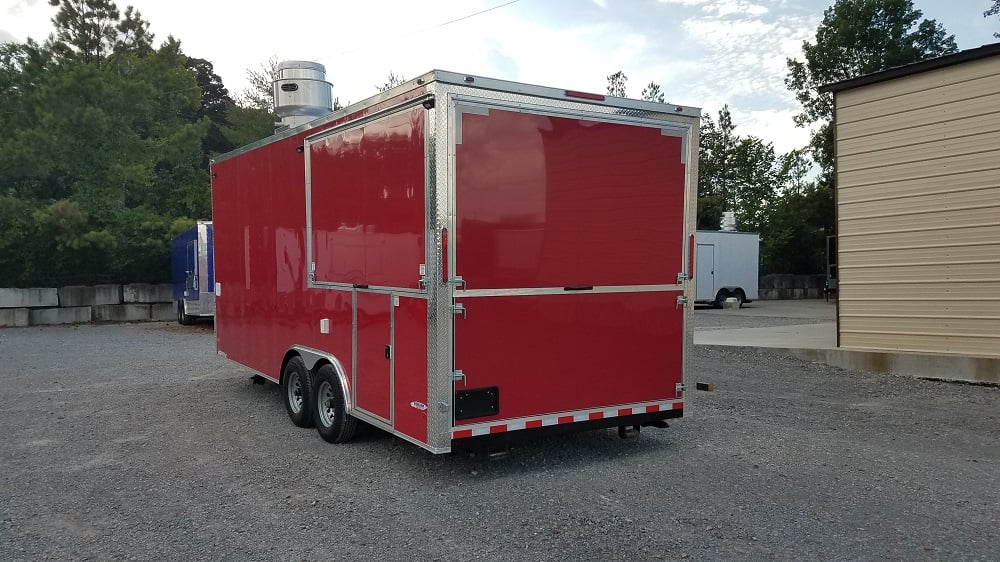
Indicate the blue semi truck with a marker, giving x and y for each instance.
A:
(193, 273)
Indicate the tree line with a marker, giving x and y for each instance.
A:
(108, 135)
(107, 139)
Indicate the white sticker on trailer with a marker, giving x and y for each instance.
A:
(218, 290)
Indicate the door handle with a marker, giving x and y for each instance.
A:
(388, 352)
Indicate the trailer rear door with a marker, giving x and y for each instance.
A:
(570, 238)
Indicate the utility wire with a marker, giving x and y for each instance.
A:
(449, 22)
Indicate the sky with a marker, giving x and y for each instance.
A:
(703, 53)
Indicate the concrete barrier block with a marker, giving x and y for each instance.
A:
(121, 313)
(13, 317)
(78, 295)
(28, 298)
(146, 293)
(162, 312)
(70, 315)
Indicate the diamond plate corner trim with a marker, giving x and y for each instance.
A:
(439, 317)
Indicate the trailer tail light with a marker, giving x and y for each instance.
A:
(584, 95)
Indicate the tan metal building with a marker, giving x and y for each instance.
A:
(918, 206)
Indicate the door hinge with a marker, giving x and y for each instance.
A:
(681, 301)
(682, 277)
(458, 376)
(679, 388)
(459, 308)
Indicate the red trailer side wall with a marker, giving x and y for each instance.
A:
(264, 307)
(373, 191)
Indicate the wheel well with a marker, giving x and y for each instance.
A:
(284, 363)
(294, 353)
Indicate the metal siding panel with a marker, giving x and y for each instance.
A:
(918, 133)
(945, 218)
(921, 343)
(937, 307)
(926, 292)
(923, 152)
(918, 324)
(898, 121)
(948, 234)
(945, 166)
(942, 77)
(931, 101)
(943, 185)
(987, 267)
(930, 253)
(912, 203)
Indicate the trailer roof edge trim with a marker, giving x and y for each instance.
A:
(472, 81)
(989, 50)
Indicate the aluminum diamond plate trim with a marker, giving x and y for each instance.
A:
(439, 321)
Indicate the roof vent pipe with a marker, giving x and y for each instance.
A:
(301, 93)
(728, 221)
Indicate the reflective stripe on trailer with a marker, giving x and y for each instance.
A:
(564, 418)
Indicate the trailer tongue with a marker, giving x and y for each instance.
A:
(462, 257)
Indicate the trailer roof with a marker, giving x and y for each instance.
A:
(473, 81)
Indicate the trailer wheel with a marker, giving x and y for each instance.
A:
(295, 385)
(720, 298)
(182, 318)
(740, 296)
(330, 413)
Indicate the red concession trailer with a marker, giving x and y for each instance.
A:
(461, 257)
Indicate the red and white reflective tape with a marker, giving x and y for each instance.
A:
(564, 418)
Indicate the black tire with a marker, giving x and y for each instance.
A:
(330, 414)
(296, 385)
(740, 296)
(183, 319)
(720, 298)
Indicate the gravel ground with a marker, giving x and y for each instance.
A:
(138, 442)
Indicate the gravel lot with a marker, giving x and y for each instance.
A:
(138, 442)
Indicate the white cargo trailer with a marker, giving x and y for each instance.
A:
(727, 265)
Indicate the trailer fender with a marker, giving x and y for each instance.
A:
(314, 359)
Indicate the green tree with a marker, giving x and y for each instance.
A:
(260, 93)
(617, 83)
(104, 148)
(992, 11)
(739, 174)
(85, 29)
(215, 105)
(858, 37)
(247, 125)
(652, 92)
(391, 81)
